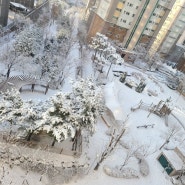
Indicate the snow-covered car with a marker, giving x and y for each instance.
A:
(16, 7)
(172, 86)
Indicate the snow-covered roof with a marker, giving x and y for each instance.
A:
(174, 159)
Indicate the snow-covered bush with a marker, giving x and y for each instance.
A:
(127, 173)
(144, 168)
(29, 42)
(63, 34)
(30, 121)
(51, 46)
(11, 107)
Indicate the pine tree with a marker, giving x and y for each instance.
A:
(29, 42)
(59, 120)
(87, 102)
(31, 119)
(11, 107)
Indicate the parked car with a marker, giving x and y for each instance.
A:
(17, 7)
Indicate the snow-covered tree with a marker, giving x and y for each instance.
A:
(58, 8)
(44, 18)
(21, 22)
(99, 43)
(29, 42)
(87, 102)
(11, 107)
(51, 46)
(59, 119)
(9, 58)
(27, 65)
(51, 70)
(82, 34)
(170, 134)
(114, 58)
(140, 52)
(44, 62)
(30, 122)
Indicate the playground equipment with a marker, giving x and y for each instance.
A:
(123, 77)
(140, 87)
(161, 109)
(146, 126)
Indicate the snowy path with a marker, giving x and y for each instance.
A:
(73, 56)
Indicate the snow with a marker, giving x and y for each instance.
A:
(119, 99)
(112, 102)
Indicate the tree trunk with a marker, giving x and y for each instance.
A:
(95, 55)
(109, 70)
(29, 135)
(32, 87)
(53, 143)
(167, 141)
(47, 87)
(8, 73)
(97, 166)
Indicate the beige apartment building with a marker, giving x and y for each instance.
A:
(158, 23)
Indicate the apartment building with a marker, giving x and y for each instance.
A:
(4, 8)
(158, 23)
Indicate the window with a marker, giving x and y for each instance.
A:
(127, 13)
(109, 33)
(130, 4)
(137, 7)
(116, 18)
(117, 36)
(118, 9)
(124, 21)
(133, 15)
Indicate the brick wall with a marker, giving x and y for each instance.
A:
(97, 24)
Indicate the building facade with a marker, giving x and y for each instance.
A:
(157, 23)
(4, 9)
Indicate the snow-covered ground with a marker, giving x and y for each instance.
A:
(119, 98)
